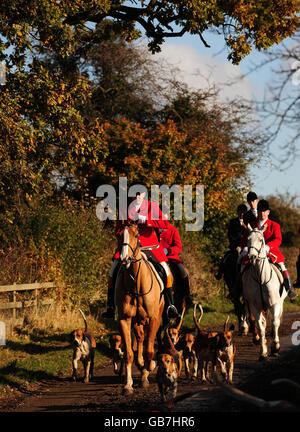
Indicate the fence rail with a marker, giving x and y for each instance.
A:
(27, 303)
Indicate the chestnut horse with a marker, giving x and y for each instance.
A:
(139, 304)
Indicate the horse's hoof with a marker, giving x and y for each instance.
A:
(127, 391)
(275, 352)
(256, 341)
(263, 358)
(145, 384)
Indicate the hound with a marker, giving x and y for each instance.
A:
(167, 376)
(205, 346)
(174, 332)
(116, 345)
(169, 362)
(189, 356)
(226, 351)
(168, 347)
(84, 350)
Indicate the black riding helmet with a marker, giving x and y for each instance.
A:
(263, 205)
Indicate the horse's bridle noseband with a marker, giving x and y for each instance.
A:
(132, 258)
(257, 250)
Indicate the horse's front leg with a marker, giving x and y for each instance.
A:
(139, 334)
(276, 311)
(261, 324)
(125, 326)
(153, 329)
(150, 364)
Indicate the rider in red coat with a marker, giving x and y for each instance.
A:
(171, 242)
(149, 218)
(273, 238)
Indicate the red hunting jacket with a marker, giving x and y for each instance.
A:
(273, 238)
(170, 239)
(154, 220)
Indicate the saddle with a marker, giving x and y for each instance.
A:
(278, 272)
(157, 267)
(274, 267)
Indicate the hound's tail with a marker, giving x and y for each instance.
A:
(85, 321)
(197, 321)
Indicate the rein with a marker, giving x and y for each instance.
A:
(261, 272)
(132, 260)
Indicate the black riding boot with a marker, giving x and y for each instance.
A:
(186, 292)
(110, 307)
(297, 283)
(169, 299)
(288, 286)
(237, 288)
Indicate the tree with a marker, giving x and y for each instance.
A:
(280, 108)
(125, 80)
(58, 125)
(244, 24)
(285, 211)
(56, 24)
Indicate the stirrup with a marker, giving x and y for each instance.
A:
(292, 295)
(172, 312)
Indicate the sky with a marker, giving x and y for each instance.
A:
(195, 61)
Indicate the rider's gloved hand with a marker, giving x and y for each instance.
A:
(267, 248)
(244, 251)
(142, 219)
(166, 251)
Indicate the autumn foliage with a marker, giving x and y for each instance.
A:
(81, 107)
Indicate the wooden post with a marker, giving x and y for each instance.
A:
(36, 301)
(14, 288)
(14, 300)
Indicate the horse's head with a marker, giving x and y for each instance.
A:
(128, 240)
(256, 244)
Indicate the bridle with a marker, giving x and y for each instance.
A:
(258, 250)
(258, 257)
(132, 259)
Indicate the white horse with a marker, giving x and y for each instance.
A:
(263, 290)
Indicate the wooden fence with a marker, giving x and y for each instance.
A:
(14, 305)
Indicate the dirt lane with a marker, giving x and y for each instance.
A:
(104, 393)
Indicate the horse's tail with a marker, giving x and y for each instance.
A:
(197, 321)
(84, 319)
